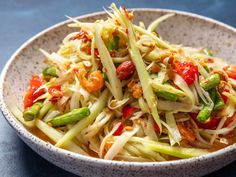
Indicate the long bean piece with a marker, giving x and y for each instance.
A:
(70, 117)
(204, 114)
(210, 82)
(32, 112)
(78, 127)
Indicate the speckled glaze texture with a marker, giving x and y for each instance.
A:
(184, 28)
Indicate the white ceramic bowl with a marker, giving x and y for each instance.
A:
(184, 28)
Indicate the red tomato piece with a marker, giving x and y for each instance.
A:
(128, 111)
(231, 71)
(38, 93)
(225, 98)
(32, 93)
(56, 92)
(36, 82)
(211, 124)
(187, 71)
(119, 129)
(28, 98)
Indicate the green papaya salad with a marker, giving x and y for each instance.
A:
(118, 91)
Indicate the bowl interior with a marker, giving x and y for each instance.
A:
(186, 29)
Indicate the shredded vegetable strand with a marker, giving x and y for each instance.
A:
(143, 74)
(119, 143)
(175, 136)
(77, 128)
(108, 65)
(56, 136)
(156, 22)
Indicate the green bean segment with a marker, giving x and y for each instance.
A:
(50, 71)
(204, 114)
(70, 117)
(32, 112)
(211, 82)
(167, 95)
(219, 103)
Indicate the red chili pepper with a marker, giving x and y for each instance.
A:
(76, 70)
(225, 98)
(231, 71)
(119, 129)
(156, 127)
(126, 12)
(96, 53)
(128, 15)
(187, 71)
(127, 31)
(31, 93)
(128, 111)
(56, 92)
(125, 70)
(211, 124)
(112, 53)
(81, 35)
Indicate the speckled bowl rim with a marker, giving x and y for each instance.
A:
(99, 162)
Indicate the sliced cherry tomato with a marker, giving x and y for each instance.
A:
(56, 92)
(187, 71)
(156, 127)
(38, 93)
(28, 98)
(211, 124)
(225, 98)
(128, 111)
(32, 93)
(231, 71)
(36, 82)
(119, 129)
